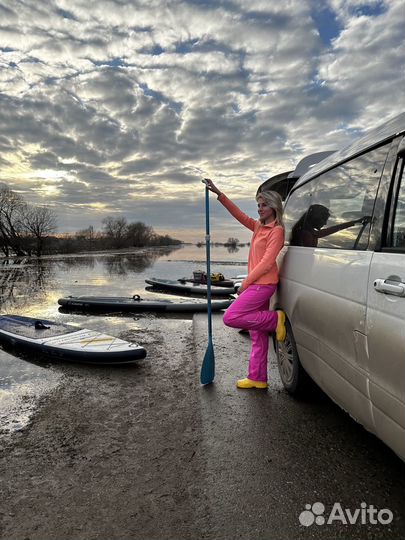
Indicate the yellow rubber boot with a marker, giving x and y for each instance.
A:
(281, 330)
(248, 383)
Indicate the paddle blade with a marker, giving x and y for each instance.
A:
(208, 366)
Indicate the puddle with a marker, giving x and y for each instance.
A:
(22, 384)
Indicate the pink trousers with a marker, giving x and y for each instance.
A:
(250, 311)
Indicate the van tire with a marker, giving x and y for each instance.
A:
(293, 376)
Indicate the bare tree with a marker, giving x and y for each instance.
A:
(139, 234)
(39, 222)
(12, 211)
(115, 229)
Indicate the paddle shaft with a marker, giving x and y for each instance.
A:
(208, 366)
(208, 255)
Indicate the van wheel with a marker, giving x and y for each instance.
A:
(293, 376)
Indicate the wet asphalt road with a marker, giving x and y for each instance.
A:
(269, 455)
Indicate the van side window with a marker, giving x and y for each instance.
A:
(297, 205)
(341, 207)
(398, 233)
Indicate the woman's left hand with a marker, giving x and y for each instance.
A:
(240, 289)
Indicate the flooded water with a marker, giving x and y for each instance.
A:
(30, 287)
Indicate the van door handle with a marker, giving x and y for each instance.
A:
(395, 288)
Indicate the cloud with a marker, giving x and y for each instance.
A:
(366, 63)
(102, 105)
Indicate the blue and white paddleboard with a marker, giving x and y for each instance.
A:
(67, 342)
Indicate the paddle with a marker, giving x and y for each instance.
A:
(208, 366)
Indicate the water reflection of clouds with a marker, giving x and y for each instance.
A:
(28, 281)
(19, 284)
(137, 262)
(86, 261)
(98, 281)
(33, 288)
(117, 263)
(21, 385)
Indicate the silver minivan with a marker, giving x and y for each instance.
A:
(342, 282)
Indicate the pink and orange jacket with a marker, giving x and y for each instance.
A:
(266, 243)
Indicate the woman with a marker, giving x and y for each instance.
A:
(250, 310)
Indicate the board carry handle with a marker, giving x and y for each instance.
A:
(39, 325)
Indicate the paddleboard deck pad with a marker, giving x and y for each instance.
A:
(136, 303)
(173, 285)
(67, 342)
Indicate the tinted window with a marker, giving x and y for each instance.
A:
(340, 208)
(295, 209)
(398, 236)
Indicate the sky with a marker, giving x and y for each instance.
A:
(120, 107)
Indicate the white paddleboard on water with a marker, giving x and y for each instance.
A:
(67, 342)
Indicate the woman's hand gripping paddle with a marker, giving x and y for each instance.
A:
(208, 366)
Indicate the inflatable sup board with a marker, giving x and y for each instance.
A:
(173, 285)
(136, 303)
(221, 283)
(67, 342)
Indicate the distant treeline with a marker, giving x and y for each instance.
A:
(231, 243)
(28, 229)
(117, 233)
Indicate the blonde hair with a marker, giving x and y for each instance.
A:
(274, 201)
